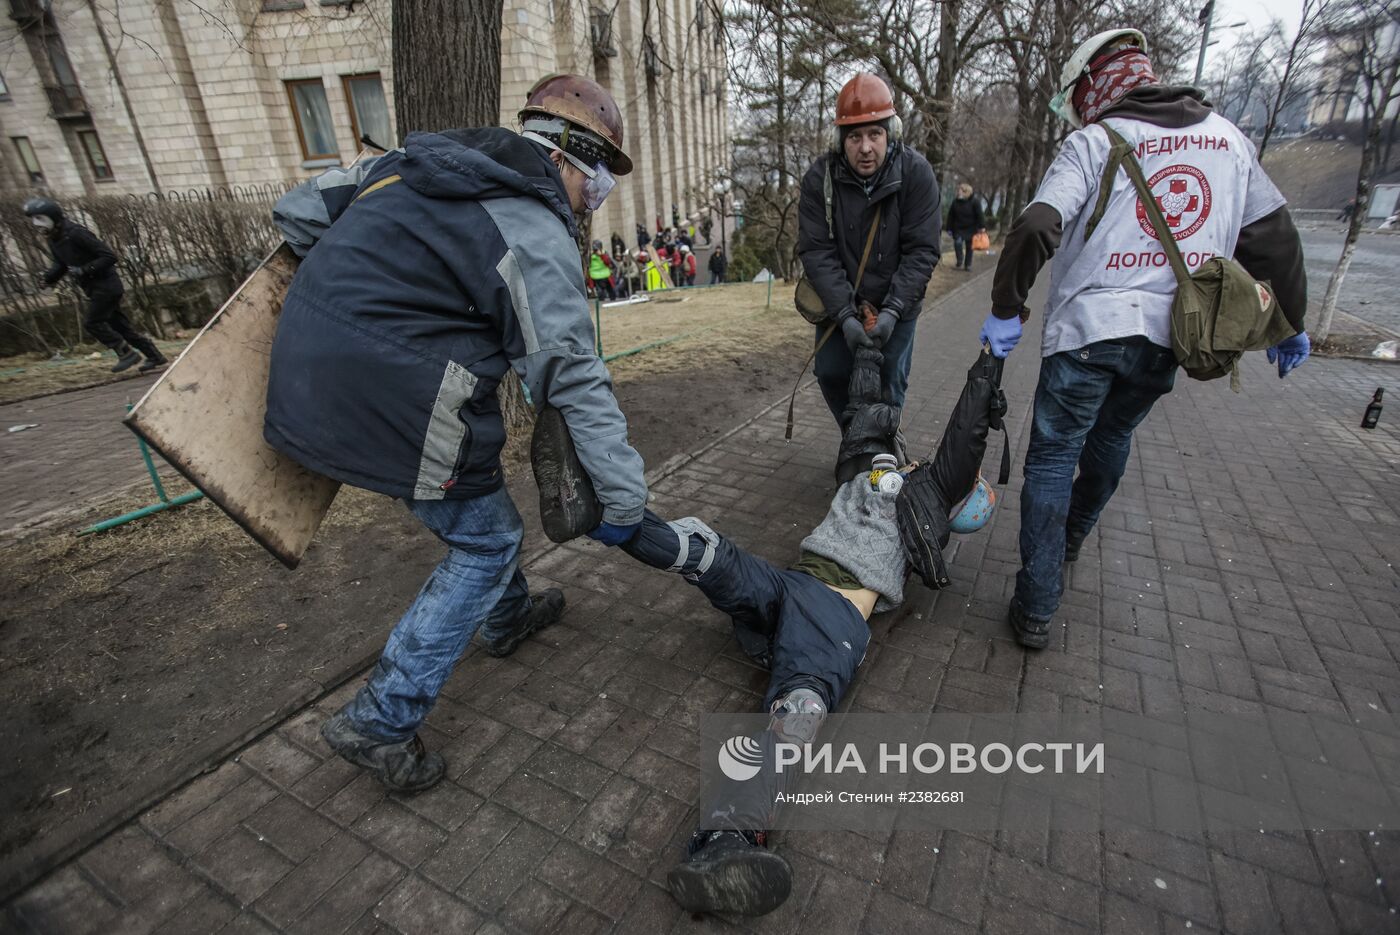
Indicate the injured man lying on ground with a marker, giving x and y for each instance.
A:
(807, 624)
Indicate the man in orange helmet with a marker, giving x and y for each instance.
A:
(868, 237)
(428, 273)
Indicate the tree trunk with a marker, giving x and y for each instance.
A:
(447, 64)
(447, 74)
(1380, 92)
(1363, 200)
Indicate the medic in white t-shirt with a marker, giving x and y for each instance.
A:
(1106, 344)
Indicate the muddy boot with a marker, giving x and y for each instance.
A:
(730, 871)
(127, 357)
(569, 506)
(545, 608)
(402, 767)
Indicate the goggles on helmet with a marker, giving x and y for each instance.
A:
(600, 181)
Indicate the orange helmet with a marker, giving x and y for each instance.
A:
(584, 103)
(863, 99)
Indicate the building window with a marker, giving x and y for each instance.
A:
(280, 6)
(29, 160)
(369, 114)
(313, 118)
(97, 159)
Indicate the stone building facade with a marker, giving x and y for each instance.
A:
(172, 95)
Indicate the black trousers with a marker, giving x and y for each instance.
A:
(106, 322)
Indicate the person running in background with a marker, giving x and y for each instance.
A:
(93, 265)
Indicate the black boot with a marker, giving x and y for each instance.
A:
(545, 608)
(1030, 633)
(569, 506)
(127, 357)
(154, 358)
(402, 767)
(730, 871)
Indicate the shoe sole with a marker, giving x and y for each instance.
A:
(569, 505)
(753, 884)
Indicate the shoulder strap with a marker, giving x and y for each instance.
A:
(826, 194)
(1116, 152)
(869, 242)
(1150, 206)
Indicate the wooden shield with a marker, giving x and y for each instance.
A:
(205, 416)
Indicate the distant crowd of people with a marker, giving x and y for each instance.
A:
(664, 260)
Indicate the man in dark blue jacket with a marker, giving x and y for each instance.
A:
(427, 274)
(868, 231)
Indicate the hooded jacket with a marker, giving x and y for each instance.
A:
(906, 246)
(427, 273)
(1269, 249)
(79, 251)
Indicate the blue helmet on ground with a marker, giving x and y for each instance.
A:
(976, 508)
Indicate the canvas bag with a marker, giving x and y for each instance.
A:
(1219, 311)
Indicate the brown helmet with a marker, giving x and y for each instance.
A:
(585, 103)
(863, 99)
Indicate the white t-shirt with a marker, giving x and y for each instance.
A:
(1118, 283)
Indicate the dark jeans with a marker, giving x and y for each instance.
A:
(106, 322)
(1087, 404)
(810, 637)
(603, 289)
(834, 363)
(962, 250)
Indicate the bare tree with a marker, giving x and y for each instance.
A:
(1371, 34)
(1298, 63)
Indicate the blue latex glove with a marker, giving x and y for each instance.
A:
(610, 534)
(884, 327)
(1001, 333)
(1290, 352)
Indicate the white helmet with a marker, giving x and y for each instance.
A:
(1078, 66)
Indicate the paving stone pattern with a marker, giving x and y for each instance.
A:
(1246, 563)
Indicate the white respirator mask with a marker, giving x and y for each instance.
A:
(42, 221)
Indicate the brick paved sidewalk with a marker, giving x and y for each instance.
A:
(1245, 563)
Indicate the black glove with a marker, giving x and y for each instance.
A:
(884, 326)
(854, 333)
(922, 515)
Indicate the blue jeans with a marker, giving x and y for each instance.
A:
(478, 584)
(834, 364)
(1087, 404)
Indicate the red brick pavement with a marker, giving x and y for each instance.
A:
(1246, 563)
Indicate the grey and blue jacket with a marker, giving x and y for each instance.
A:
(426, 274)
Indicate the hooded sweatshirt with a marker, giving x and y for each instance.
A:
(1267, 246)
(428, 273)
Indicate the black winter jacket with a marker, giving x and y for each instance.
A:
(965, 217)
(906, 246)
(78, 250)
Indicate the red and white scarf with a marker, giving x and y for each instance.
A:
(1109, 79)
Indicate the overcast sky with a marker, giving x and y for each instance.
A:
(1257, 13)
